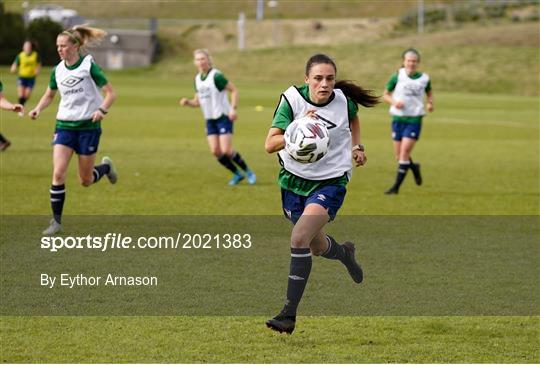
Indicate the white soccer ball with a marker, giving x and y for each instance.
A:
(307, 140)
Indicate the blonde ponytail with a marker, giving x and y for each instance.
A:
(84, 36)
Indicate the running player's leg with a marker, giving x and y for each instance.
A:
(225, 130)
(405, 155)
(89, 172)
(20, 91)
(397, 137)
(326, 246)
(308, 225)
(224, 142)
(61, 158)
(223, 159)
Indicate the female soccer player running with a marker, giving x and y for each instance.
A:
(78, 121)
(5, 104)
(29, 65)
(405, 93)
(312, 193)
(211, 89)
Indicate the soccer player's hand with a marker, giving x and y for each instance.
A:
(399, 104)
(17, 108)
(312, 113)
(33, 114)
(184, 101)
(430, 107)
(232, 115)
(359, 157)
(97, 116)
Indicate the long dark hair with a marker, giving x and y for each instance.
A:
(355, 92)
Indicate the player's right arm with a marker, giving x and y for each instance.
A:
(275, 141)
(14, 65)
(387, 95)
(44, 102)
(190, 102)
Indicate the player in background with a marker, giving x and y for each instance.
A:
(5, 104)
(313, 193)
(405, 93)
(211, 89)
(28, 63)
(80, 83)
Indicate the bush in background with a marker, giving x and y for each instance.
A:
(43, 32)
(12, 35)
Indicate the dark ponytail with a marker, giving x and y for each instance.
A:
(357, 94)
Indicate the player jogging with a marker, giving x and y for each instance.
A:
(211, 89)
(313, 193)
(78, 121)
(29, 65)
(405, 93)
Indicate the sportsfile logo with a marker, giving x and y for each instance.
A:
(71, 81)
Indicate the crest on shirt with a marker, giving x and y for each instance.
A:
(71, 81)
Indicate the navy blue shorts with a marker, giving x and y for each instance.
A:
(83, 142)
(221, 125)
(405, 130)
(329, 196)
(26, 82)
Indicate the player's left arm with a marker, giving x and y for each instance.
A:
(108, 100)
(430, 107)
(429, 94)
(358, 153)
(231, 88)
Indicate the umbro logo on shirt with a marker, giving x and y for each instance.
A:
(71, 81)
(329, 124)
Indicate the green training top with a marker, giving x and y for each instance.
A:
(283, 116)
(391, 85)
(99, 78)
(219, 79)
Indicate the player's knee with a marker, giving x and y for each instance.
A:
(59, 177)
(86, 181)
(216, 152)
(299, 240)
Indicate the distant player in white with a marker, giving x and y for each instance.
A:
(211, 89)
(405, 93)
(78, 122)
(312, 193)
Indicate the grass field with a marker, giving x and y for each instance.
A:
(480, 157)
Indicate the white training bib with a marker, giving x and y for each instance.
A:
(335, 115)
(214, 103)
(80, 96)
(411, 93)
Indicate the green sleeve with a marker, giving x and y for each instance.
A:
(17, 61)
(220, 81)
(428, 86)
(1, 86)
(352, 108)
(97, 75)
(283, 115)
(52, 80)
(391, 84)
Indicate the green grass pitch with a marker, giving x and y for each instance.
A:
(479, 154)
